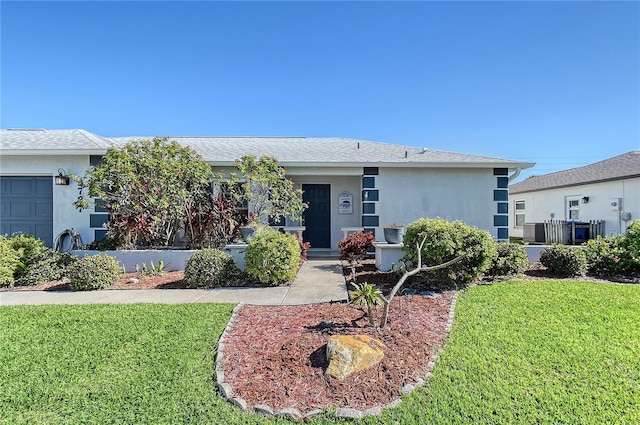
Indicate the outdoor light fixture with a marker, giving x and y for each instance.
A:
(585, 200)
(62, 179)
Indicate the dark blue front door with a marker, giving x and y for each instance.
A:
(317, 218)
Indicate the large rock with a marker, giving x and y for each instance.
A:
(348, 354)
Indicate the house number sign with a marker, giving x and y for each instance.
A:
(345, 203)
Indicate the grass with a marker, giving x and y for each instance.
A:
(520, 352)
(544, 352)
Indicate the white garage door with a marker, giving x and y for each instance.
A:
(27, 207)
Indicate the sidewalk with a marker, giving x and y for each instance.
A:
(319, 280)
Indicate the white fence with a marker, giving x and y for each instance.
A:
(571, 232)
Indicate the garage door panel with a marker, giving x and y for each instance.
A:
(27, 207)
(5, 186)
(43, 209)
(44, 187)
(24, 227)
(21, 186)
(44, 229)
(21, 209)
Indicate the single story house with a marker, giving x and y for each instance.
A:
(607, 190)
(348, 183)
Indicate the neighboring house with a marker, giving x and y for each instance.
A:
(608, 190)
(348, 183)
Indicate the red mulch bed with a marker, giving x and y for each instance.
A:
(276, 355)
(168, 280)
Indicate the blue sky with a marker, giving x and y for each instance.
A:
(557, 83)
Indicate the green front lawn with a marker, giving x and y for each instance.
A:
(556, 352)
(520, 352)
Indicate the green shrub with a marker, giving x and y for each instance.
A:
(272, 257)
(94, 272)
(564, 261)
(510, 259)
(9, 262)
(356, 245)
(209, 268)
(25, 260)
(30, 248)
(631, 244)
(37, 263)
(446, 240)
(605, 256)
(615, 255)
(48, 266)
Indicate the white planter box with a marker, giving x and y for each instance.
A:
(387, 254)
(174, 259)
(237, 253)
(533, 252)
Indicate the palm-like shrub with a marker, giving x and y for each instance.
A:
(368, 295)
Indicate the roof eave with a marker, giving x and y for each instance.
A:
(631, 176)
(51, 152)
(510, 165)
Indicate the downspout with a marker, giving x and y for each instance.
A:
(515, 174)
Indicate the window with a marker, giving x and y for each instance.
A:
(519, 211)
(573, 209)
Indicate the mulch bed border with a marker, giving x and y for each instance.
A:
(295, 414)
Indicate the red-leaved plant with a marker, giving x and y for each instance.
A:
(355, 246)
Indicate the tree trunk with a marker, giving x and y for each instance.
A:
(407, 274)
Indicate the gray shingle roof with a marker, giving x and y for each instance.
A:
(619, 167)
(329, 151)
(51, 140)
(303, 151)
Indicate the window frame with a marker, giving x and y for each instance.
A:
(573, 205)
(519, 212)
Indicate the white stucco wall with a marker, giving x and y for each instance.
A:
(65, 215)
(547, 204)
(407, 194)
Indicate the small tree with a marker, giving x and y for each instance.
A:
(420, 268)
(269, 193)
(146, 187)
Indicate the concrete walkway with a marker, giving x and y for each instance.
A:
(319, 280)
